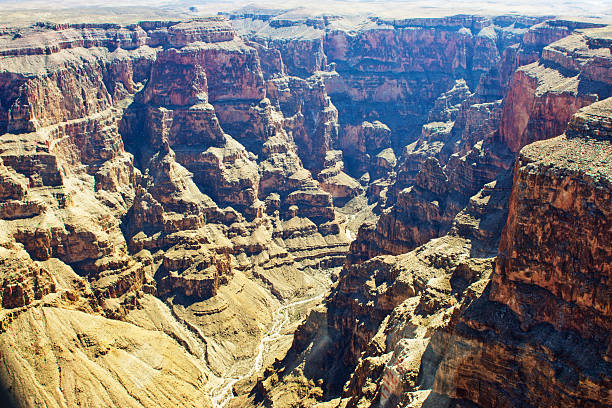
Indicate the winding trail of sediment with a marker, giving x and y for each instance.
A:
(223, 393)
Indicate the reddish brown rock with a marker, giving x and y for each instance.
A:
(360, 143)
(243, 150)
(193, 273)
(523, 46)
(301, 57)
(425, 209)
(543, 98)
(335, 181)
(384, 310)
(310, 116)
(177, 79)
(547, 298)
(209, 29)
(12, 187)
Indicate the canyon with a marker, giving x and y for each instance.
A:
(288, 208)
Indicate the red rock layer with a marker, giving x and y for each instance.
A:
(539, 336)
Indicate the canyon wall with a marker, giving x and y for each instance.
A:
(166, 186)
(120, 186)
(497, 310)
(473, 139)
(542, 324)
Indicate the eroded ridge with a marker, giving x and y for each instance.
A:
(278, 207)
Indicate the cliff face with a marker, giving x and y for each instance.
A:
(166, 186)
(469, 318)
(473, 138)
(394, 72)
(99, 230)
(544, 321)
(366, 345)
(545, 94)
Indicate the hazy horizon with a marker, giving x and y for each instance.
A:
(23, 12)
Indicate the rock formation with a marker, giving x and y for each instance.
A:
(120, 184)
(177, 196)
(458, 321)
(476, 141)
(546, 311)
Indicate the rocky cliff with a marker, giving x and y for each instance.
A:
(176, 196)
(542, 324)
(470, 138)
(469, 318)
(120, 183)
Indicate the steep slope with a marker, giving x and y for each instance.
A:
(473, 138)
(117, 233)
(414, 329)
(166, 187)
(543, 323)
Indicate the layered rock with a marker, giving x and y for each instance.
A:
(334, 180)
(544, 95)
(401, 227)
(97, 232)
(312, 119)
(370, 344)
(565, 176)
(381, 315)
(405, 59)
(360, 142)
(180, 181)
(524, 39)
(422, 206)
(488, 336)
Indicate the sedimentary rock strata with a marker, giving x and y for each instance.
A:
(544, 304)
(459, 321)
(166, 186)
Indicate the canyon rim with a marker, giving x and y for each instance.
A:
(330, 205)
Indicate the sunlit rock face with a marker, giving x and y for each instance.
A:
(542, 325)
(124, 181)
(166, 186)
(493, 310)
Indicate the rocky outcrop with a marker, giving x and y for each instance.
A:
(422, 206)
(312, 118)
(180, 181)
(360, 142)
(119, 164)
(380, 317)
(474, 139)
(334, 180)
(544, 95)
(569, 271)
(421, 337)
(443, 334)
(23, 281)
(417, 216)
